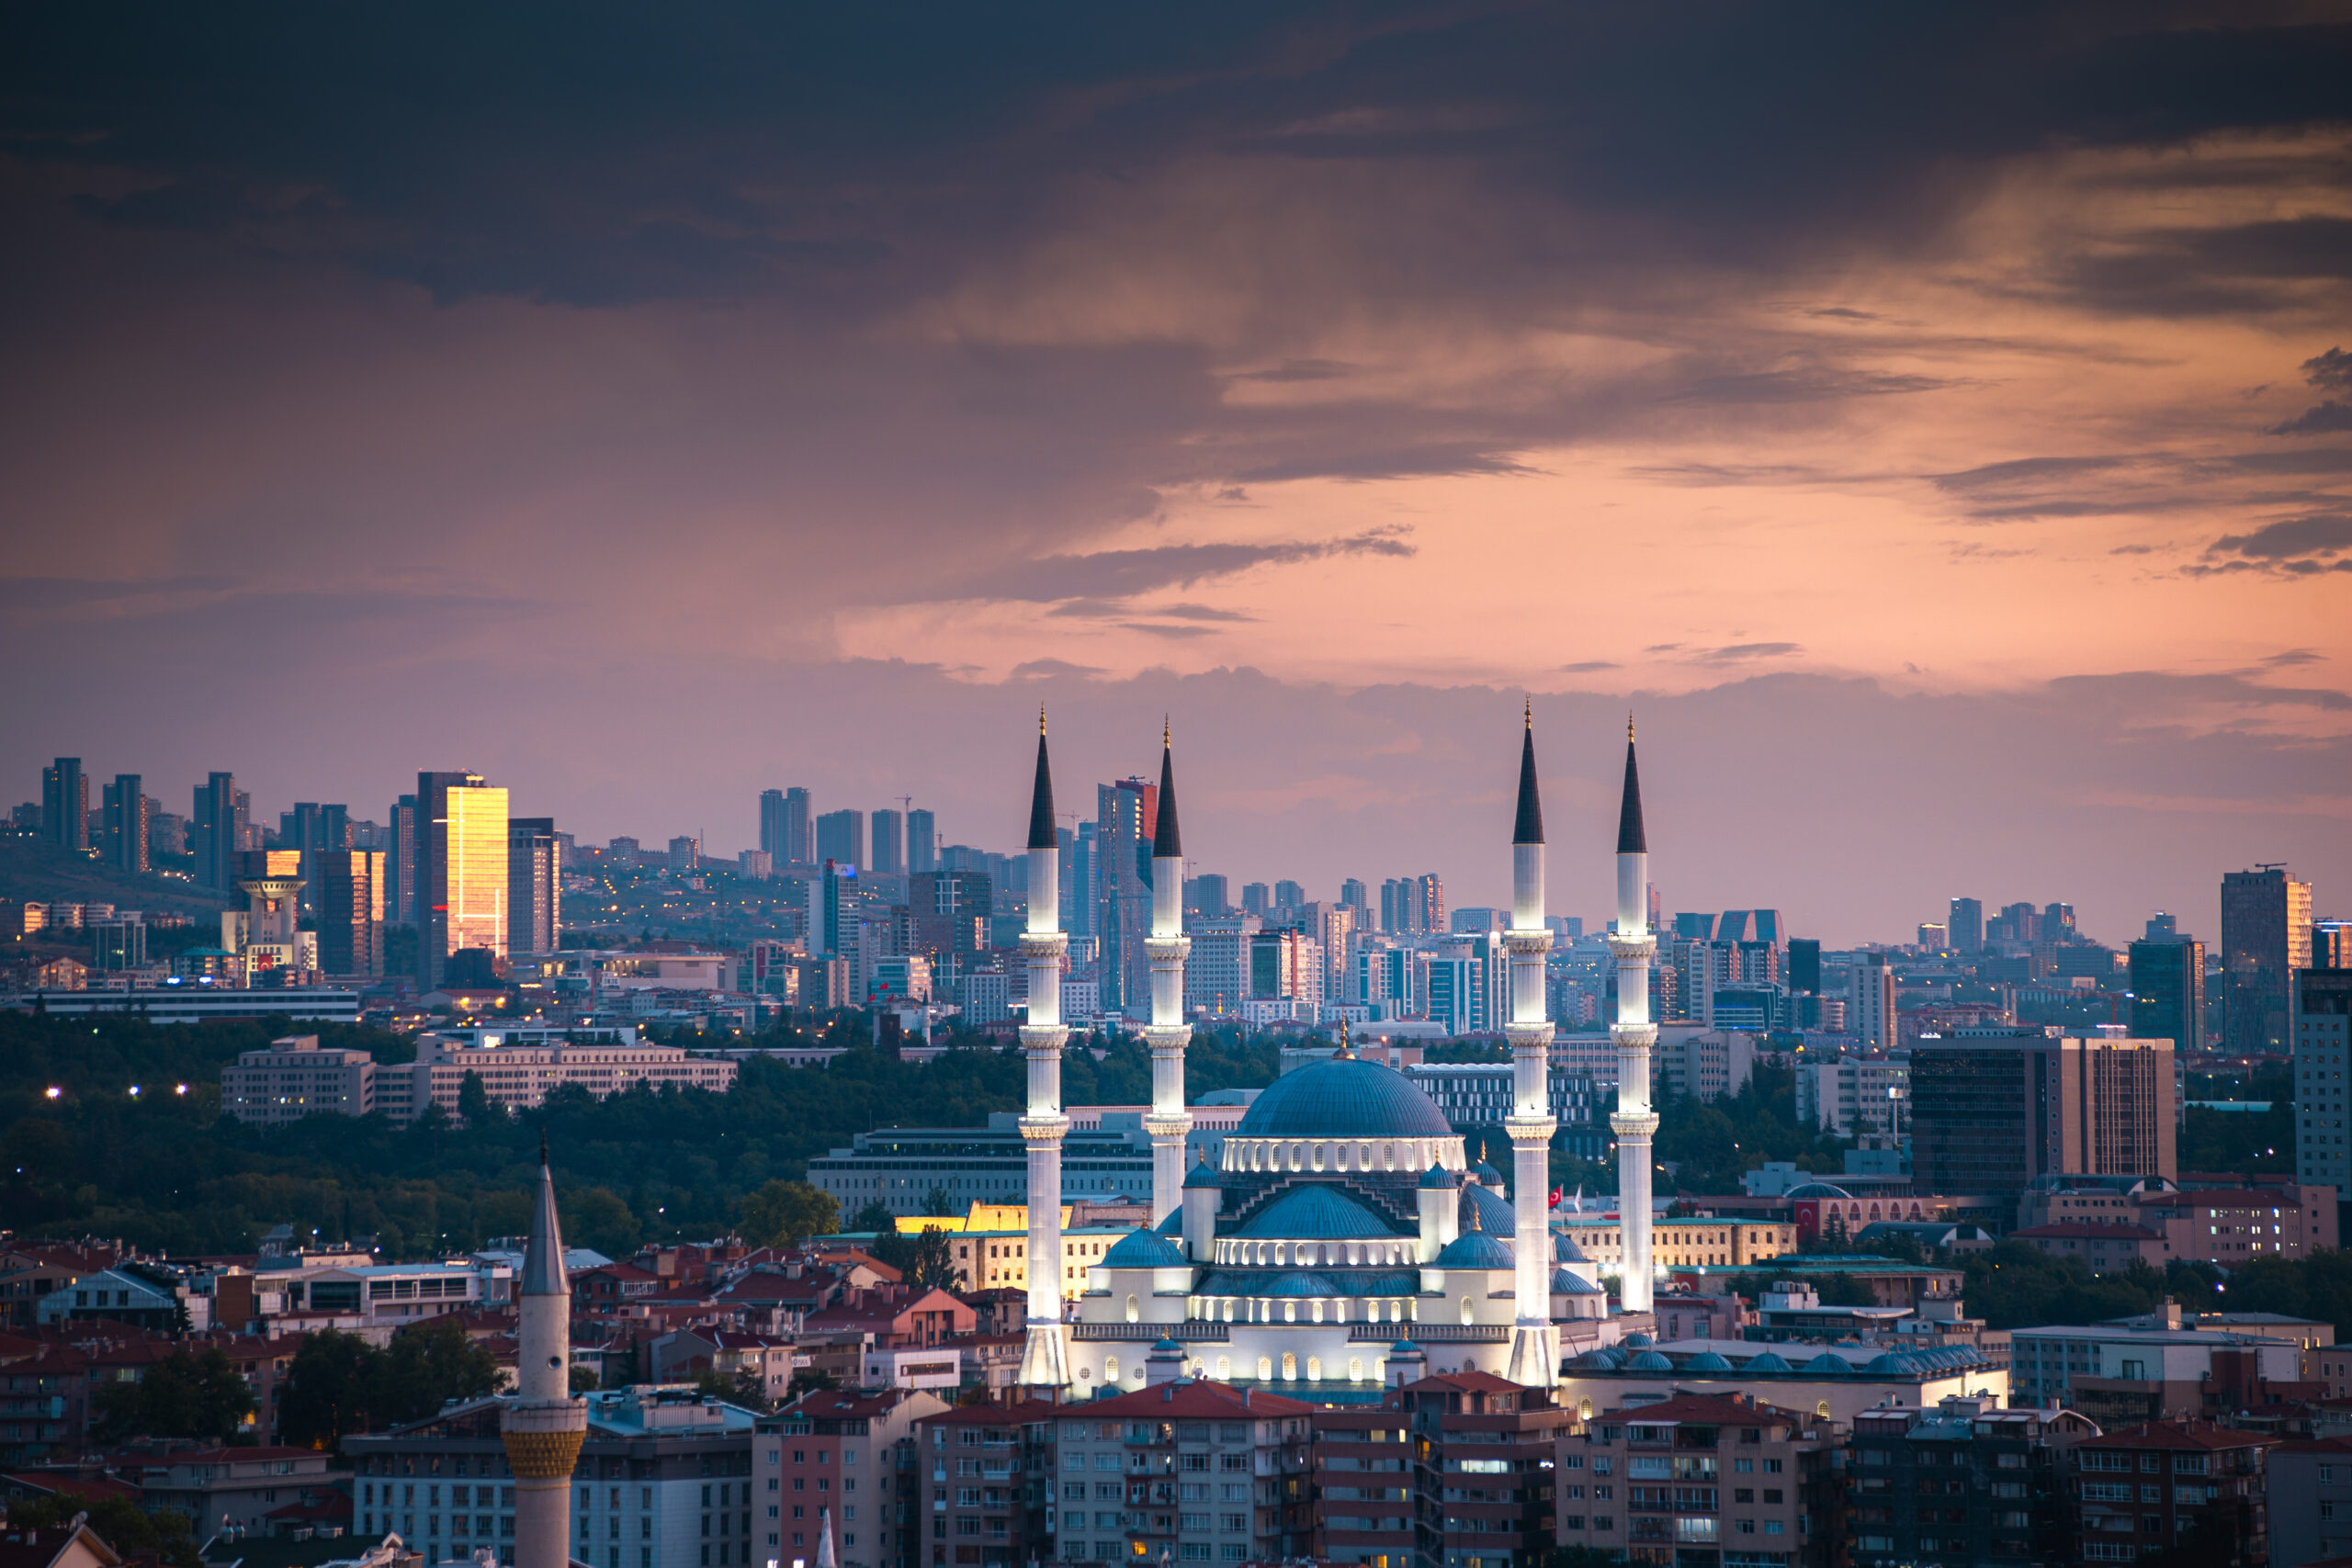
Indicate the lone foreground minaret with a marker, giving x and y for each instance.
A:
(1169, 1123)
(1632, 945)
(543, 1425)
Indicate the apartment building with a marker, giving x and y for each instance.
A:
(984, 1481)
(1856, 1094)
(1966, 1482)
(2148, 1488)
(1486, 1452)
(293, 1078)
(1704, 1473)
(1184, 1471)
(1700, 1242)
(847, 1459)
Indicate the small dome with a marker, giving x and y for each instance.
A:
(1485, 1174)
(1649, 1361)
(1820, 1190)
(1437, 1175)
(1706, 1361)
(1565, 1250)
(1203, 1176)
(1297, 1283)
(1636, 1340)
(1569, 1282)
(1889, 1365)
(1477, 1249)
(1599, 1360)
(1143, 1249)
(1403, 1347)
(1344, 1096)
(1315, 1212)
(1766, 1363)
(1493, 1213)
(1167, 1348)
(1826, 1363)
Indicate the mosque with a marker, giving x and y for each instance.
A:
(1346, 1240)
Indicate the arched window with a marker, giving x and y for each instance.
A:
(1314, 1368)
(1290, 1366)
(1466, 1309)
(1355, 1369)
(1265, 1369)
(1225, 1363)
(1109, 1368)
(1135, 1310)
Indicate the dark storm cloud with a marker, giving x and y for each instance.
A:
(2328, 418)
(2332, 370)
(598, 153)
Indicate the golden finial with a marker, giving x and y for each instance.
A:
(1530, 712)
(1474, 1218)
(1629, 729)
(1041, 719)
(1163, 732)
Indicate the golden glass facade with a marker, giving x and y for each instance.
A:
(476, 846)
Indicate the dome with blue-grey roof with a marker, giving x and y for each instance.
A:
(1203, 1176)
(1143, 1249)
(1638, 1340)
(1174, 1223)
(1649, 1361)
(1315, 1212)
(1485, 1174)
(1476, 1250)
(1565, 1250)
(1569, 1282)
(1344, 1096)
(1826, 1363)
(1491, 1213)
(1297, 1283)
(1602, 1359)
(1706, 1361)
(1768, 1362)
(1437, 1175)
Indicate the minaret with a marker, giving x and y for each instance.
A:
(1632, 945)
(1169, 1123)
(1534, 1343)
(542, 1423)
(1045, 1363)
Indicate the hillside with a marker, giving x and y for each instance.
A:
(31, 870)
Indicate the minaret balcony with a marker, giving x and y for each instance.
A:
(1632, 948)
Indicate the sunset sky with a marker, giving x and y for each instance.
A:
(1934, 421)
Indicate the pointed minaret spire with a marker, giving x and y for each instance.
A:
(542, 1423)
(1041, 801)
(543, 1271)
(1529, 827)
(1631, 840)
(1166, 843)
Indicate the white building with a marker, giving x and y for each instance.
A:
(1849, 1095)
(2044, 1362)
(293, 1078)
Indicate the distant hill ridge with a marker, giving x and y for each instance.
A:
(32, 870)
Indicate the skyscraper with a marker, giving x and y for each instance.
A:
(534, 885)
(461, 871)
(1353, 894)
(350, 901)
(215, 833)
(126, 824)
(1804, 963)
(1993, 1108)
(2169, 992)
(799, 829)
(2323, 1055)
(1210, 897)
(399, 862)
(922, 843)
(2265, 937)
(65, 805)
(1126, 813)
(841, 838)
(1967, 925)
(889, 841)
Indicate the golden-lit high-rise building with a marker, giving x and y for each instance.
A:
(461, 871)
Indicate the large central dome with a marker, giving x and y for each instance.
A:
(1343, 1097)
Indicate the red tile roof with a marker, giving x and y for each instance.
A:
(1196, 1397)
(1703, 1410)
(2179, 1435)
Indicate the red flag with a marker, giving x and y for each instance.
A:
(1555, 1198)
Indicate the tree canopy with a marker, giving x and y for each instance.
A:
(340, 1384)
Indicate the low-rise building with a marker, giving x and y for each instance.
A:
(2104, 1248)
(1189, 1468)
(292, 1078)
(1965, 1482)
(1702, 1473)
(985, 1481)
(664, 1478)
(2115, 1376)
(2151, 1488)
(1689, 1242)
(855, 1454)
(2310, 1488)
(222, 1489)
(1835, 1383)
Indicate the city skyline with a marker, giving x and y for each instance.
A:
(1329, 377)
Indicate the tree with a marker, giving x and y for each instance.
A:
(197, 1396)
(786, 1214)
(326, 1393)
(474, 1103)
(875, 1216)
(937, 1203)
(601, 1219)
(584, 1379)
(431, 1364)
